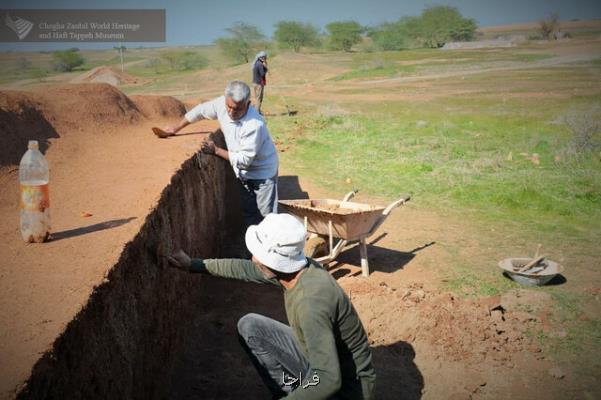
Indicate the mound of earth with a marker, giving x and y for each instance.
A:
(108, 75)
(77, 105)
(21, 119)
(159, 106)
(490, 330)
(56, 110)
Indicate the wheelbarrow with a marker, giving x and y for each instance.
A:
(341, 221)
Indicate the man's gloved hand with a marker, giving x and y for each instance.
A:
(180, 260)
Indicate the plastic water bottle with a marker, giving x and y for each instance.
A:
(35, 200)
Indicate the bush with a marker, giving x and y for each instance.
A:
(182, 60)
(343, 35)
(585, 127)
(67, 60)
(294, 35)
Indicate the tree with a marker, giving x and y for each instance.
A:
(67, 60)
(433, 28)
(391, 35)
(243, 42)
(439, 24)
(549, 26)
(294, 35)
(343, 35)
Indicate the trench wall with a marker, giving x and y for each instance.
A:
(126, 340)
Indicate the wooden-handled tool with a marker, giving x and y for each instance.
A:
(161, 133)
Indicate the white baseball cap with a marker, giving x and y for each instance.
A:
(278, 242)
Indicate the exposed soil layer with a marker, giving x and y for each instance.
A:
(124, 343)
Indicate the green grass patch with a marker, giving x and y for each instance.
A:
(376, 72)
(525, 57)
(462, 155)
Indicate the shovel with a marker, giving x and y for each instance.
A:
(161, 133)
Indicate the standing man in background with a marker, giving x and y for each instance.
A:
(259, 78)
(250, 150)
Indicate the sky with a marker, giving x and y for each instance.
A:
(200, 22)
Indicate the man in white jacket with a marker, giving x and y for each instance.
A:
(250, 150)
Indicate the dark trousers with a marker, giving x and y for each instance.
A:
(274, 351)
(259, 198)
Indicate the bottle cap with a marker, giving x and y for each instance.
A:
(33, 145)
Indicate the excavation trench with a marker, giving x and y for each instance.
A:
(152, 332)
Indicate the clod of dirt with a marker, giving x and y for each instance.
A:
(497, 316)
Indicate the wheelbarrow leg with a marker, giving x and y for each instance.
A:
(363, 252)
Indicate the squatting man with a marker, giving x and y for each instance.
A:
(324, 353)
(250, 150)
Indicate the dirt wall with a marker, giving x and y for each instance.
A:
(126, 340)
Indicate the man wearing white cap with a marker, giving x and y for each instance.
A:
(324, 352)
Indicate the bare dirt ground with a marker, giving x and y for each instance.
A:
(113, 170)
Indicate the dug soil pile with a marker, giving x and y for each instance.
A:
(91, 108)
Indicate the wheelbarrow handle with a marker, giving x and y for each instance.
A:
(386, 212)
(350, 195)
(395, 204)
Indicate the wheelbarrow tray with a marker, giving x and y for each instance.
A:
(349, 220)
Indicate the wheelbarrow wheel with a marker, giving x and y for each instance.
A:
(316, 247)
